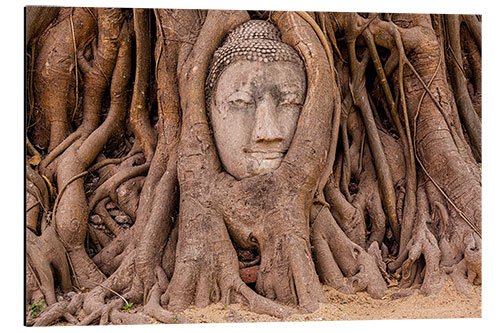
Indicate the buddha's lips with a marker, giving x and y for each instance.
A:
(265, 154)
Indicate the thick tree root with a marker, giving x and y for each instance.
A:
(111, 256)
(155, 310)
(96, 308)
(108, 188)
(54, 257)
(423, 243)
(64, 309)
(338, 256)
(468, 270)
(207, 271)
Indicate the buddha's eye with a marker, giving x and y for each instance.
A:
(290, 99)
(240, 100)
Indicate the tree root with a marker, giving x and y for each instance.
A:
(360, 99)
(53, 257)
(468, 270)
(33, 206)
(106, 218)
(64, 309)
(98, 310)
(139, 113)
(154, 309)
(336, 256)
(468, 115)
(57, 151)
(423, 243)
(108, 188)
(112, 255)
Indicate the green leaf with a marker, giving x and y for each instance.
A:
(128, 306)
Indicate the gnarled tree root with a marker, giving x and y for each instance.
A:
(64, 309)
(423, 243)
(468, 270)
(338, 256)
(54, 257)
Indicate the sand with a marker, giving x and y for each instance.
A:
(448, 303)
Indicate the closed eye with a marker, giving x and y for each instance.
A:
(240, 102)
(290, 100)
(240, 99)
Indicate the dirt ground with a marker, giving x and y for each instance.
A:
(447, 304)
(347, 307)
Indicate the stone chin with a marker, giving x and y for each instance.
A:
(259, 165)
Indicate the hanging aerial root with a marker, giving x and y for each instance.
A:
(404, 134)
(139, 110)
(468, 115)
(360, 99)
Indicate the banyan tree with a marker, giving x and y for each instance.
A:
(189, 157)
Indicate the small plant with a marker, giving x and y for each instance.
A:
(127, 306)
(36, 308)
(175, 319)
(224, 306)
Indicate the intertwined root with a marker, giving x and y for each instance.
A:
(40, 266)
(468, 270)
(287, 273)
(423, 243)
(206, 268)
(66, 309)
(337, 256)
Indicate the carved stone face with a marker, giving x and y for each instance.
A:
(254, 113)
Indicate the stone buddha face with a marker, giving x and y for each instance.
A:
(255, 89)
(254, 112)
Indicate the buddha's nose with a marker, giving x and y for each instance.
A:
(266, 127)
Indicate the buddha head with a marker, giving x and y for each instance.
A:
(255, 90)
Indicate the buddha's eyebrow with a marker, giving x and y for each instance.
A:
(239, 94)
(289, 88)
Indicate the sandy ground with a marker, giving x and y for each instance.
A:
(447, 304)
